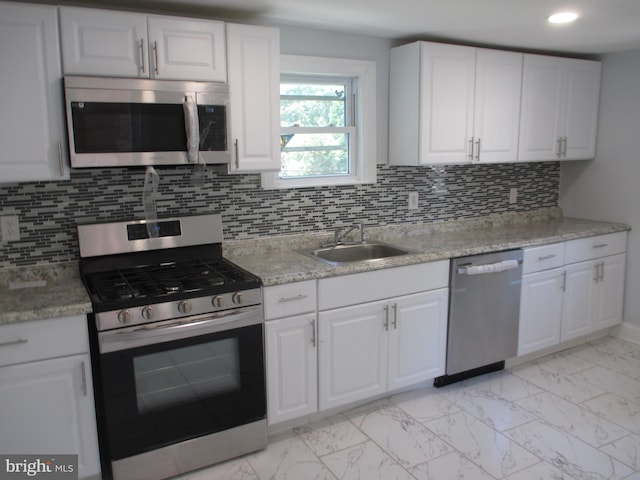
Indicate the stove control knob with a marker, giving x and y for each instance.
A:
(217, 301)
(184, 307)
(237, 298)
(124, 316)
(147, 313)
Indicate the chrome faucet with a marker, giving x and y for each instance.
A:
(340, 233)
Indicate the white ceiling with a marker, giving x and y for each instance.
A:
(603, 26)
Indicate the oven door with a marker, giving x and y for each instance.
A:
(178, 380)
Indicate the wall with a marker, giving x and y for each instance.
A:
(49, 211)
(607, 187)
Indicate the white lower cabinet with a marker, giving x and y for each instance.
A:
(291, 350)
(292, 384)
(47, 404)
(581, 291)
(593, 296)
(353, 353)
(371, 348)
(540, 310)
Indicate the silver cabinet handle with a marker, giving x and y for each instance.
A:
(313, 332)
(291, 299)
(471, 149)
(601, 245)
(142, 62)
(155, 55)
(60, 159)
(559, 147)
(395, 316)
(564, 148)
(546, 257)
(601, 276)
(478, 150)
(83, 369)
(19, 341)
(237, 154)
(596, 278)
(386, 318)
(564, 281)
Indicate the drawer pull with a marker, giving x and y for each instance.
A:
(290, 299)
(601, 245)
(20, 341)
(546, 257)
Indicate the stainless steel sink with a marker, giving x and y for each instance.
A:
(355, 253)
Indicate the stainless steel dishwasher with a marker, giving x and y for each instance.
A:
(484, 306)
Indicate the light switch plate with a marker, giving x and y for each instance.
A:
(10, 226)
(413, 200)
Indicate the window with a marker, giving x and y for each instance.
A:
(327, 118)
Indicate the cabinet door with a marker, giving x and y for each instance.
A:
(581, 97)
(540, 310)
(32, 133)
(446, 103)
(352, 361)
(187, 49)
(103, 42)
(497, 105)
(578, 300)
(254, 84)
(47, 407)
(418, 336)
(540, 114)
(609, 292)
(291, 367)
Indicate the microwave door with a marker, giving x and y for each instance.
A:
(122, 128)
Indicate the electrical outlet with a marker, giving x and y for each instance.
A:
(10, 226)
(413, 200)
(513, 195)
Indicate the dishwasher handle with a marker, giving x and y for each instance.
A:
(489, 268)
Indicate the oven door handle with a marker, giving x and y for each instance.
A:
(177, 329)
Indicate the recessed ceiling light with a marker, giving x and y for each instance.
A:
(563, 17)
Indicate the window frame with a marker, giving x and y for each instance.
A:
(349, 128)
(363, 163)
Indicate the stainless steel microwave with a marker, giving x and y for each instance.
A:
(116, 122)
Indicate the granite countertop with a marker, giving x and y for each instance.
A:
(47, 291)
(56, 290)
(277, 261)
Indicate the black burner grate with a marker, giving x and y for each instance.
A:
(158, 281)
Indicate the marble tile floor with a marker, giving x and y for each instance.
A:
(574, 415)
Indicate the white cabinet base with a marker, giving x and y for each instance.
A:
(47, 408)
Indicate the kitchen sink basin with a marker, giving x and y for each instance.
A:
(355, 253)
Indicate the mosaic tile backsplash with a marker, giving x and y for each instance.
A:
(49, 211)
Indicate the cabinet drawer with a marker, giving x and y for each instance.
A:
(29, 341)
(541, 258)
(593, 247)
(381, 284)
(289, 299)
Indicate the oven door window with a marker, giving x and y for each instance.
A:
(164, 393)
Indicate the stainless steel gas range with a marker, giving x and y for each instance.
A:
(177, 346)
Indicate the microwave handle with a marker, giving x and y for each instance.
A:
(192, 128)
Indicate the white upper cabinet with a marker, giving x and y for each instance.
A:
(109, 43)
(453, 104)
(559, 108)
(497, 106)
(32, 131)
(254, 86)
